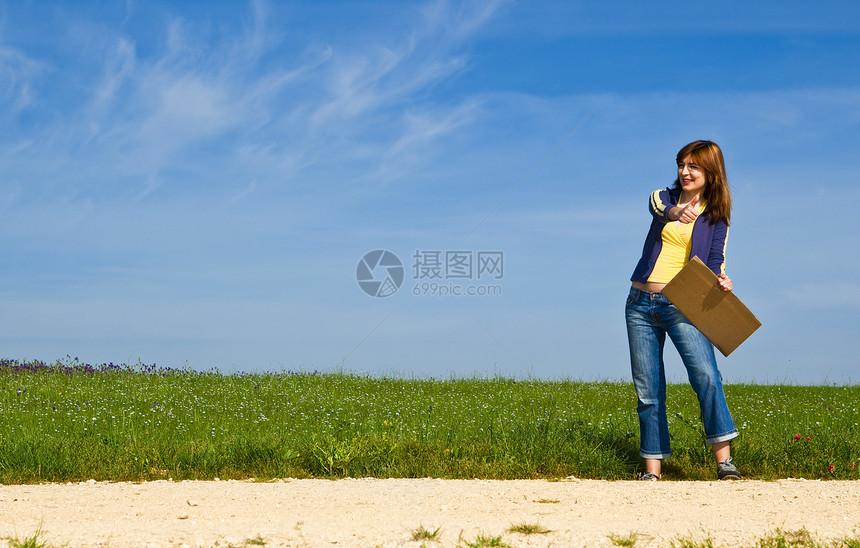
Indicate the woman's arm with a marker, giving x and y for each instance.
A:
(664, 210)
(660, 204)
(717, 255)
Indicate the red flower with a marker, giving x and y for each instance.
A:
(808, 439)
(853, 464)
(797, 437)
(831, 468)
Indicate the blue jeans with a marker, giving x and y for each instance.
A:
(650, 317)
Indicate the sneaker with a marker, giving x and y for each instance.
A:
(727, 471)
(648, 476)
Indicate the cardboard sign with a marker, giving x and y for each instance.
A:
(718, 314)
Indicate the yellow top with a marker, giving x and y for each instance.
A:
(677, 240)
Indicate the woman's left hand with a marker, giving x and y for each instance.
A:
(724, 282)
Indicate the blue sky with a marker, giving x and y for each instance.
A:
(192, 184)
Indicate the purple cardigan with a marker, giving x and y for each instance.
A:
(708, 239)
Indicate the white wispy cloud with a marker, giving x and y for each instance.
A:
(460, 21)
(146, 114)
(387, 83)
(18, 73)
(117, 70)
(420, 129)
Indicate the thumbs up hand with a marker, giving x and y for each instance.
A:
(688, 213)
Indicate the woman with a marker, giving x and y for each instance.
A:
(690, 219)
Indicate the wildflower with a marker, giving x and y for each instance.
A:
(831, 468)
(808, 439)
(797, 437)
(852, 465)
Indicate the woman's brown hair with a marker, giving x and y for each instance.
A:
(716, 194)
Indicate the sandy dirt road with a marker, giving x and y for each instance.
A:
(372, 512)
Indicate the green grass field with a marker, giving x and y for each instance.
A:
(70, 421)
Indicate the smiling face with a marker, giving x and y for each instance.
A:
(691, 176)
(702, 171)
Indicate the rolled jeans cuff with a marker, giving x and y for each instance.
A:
(722, 437)
(660, 456)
